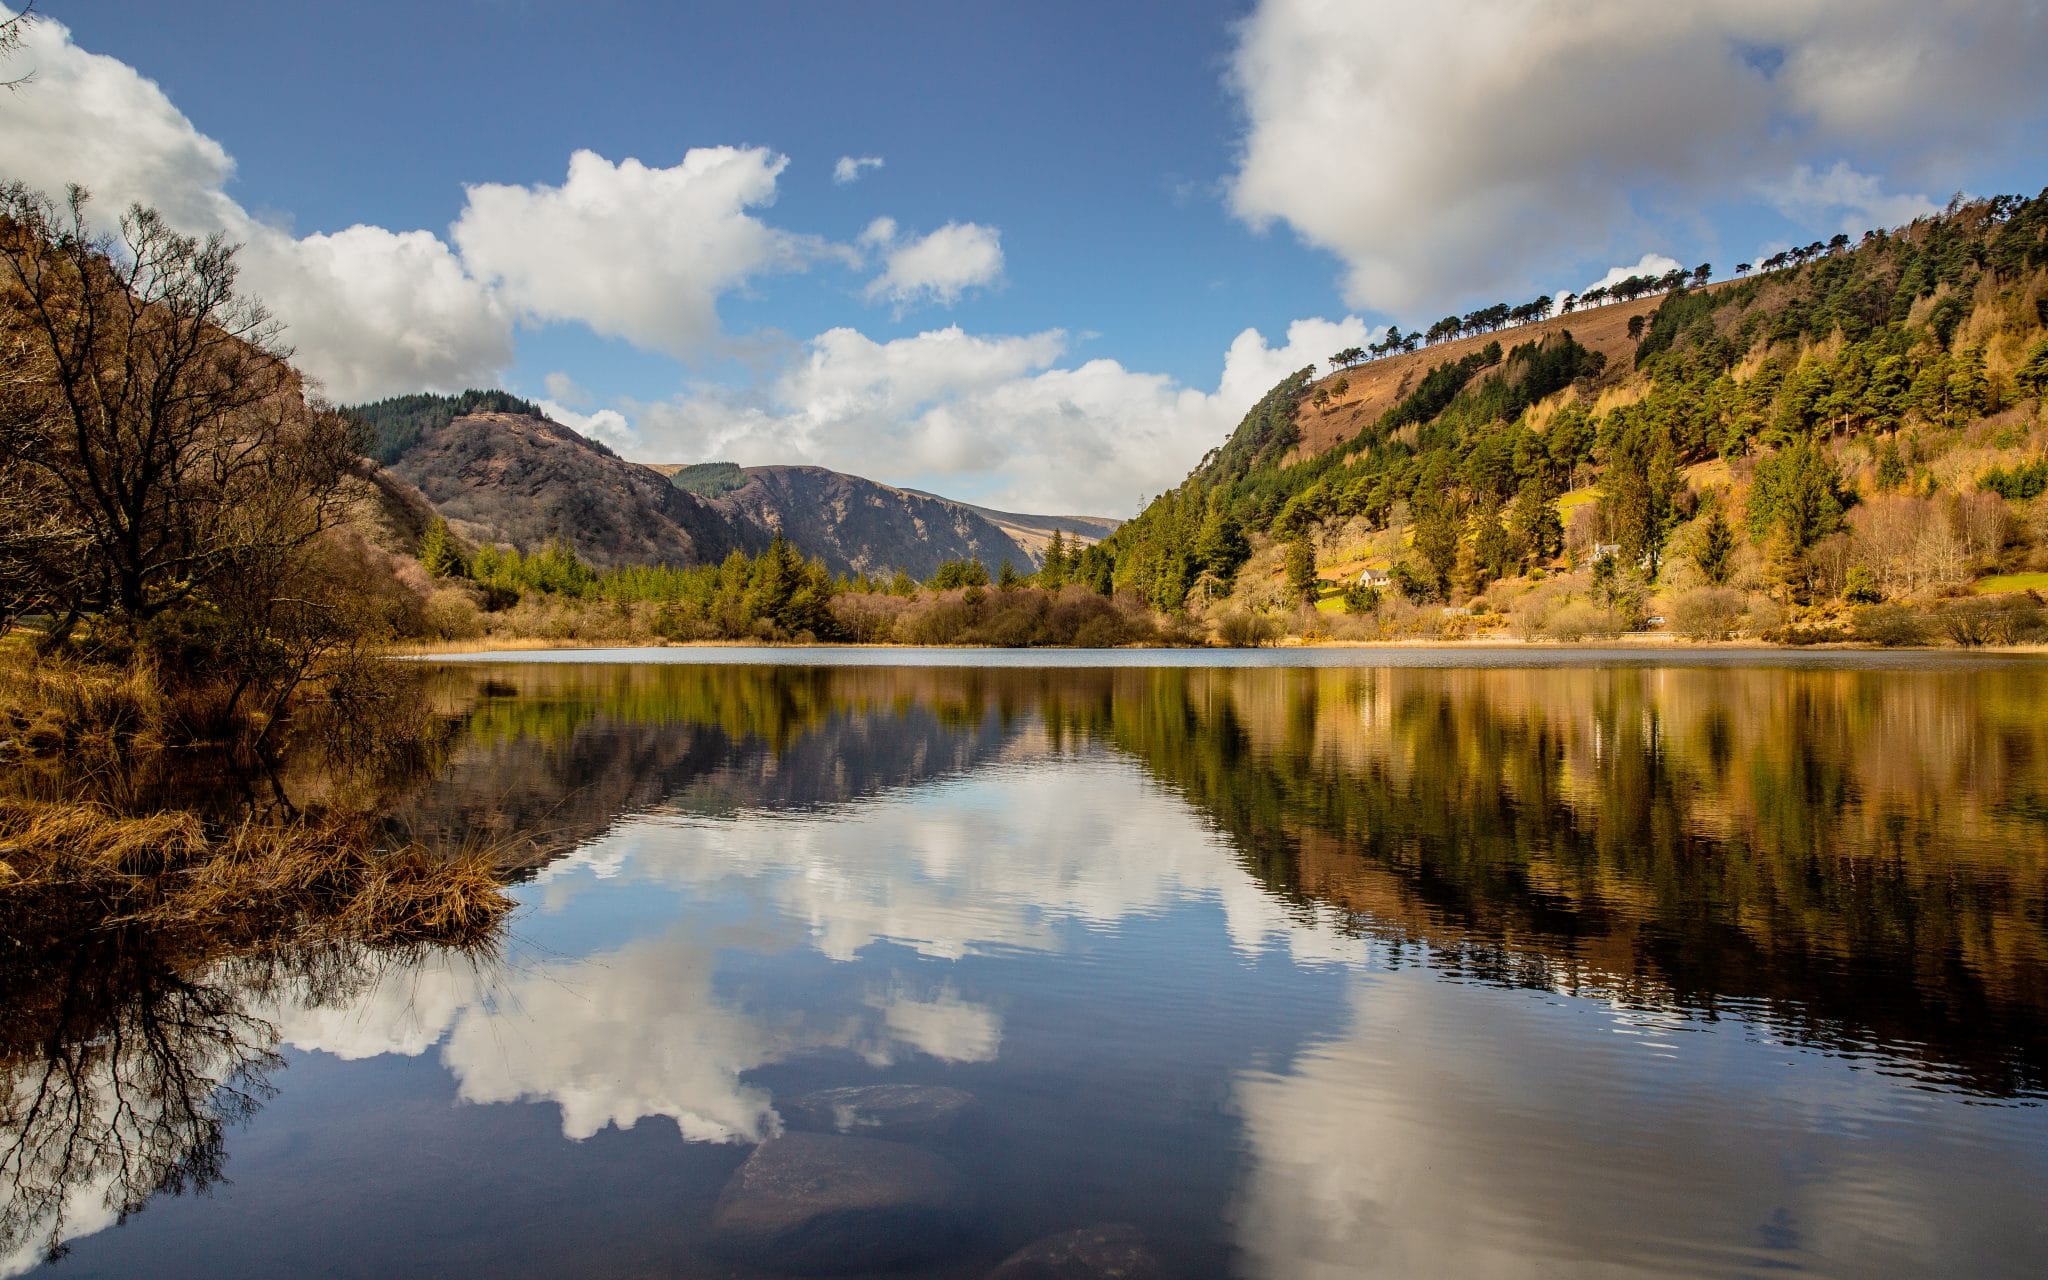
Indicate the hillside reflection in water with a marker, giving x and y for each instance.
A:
(1305, 972)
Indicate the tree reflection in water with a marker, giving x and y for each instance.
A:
(1859, 856)
(1857, 859)
(122, 1070)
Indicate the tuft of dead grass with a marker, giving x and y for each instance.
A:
(52, 705)
(298, 880)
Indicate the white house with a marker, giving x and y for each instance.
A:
(1375, 578)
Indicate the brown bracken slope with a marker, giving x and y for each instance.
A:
(1374, 387)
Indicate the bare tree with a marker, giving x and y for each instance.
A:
(12, 30)
(152, 410)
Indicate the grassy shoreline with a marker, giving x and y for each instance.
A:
(1660, 641)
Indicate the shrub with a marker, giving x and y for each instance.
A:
(1998, 620)
(866, 617)
(1578, 621)
(1706, 613)
(1890, 625)
(1242, 629)
(452, 614)
(1104, 631)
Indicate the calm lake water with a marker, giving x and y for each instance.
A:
(1629, 965)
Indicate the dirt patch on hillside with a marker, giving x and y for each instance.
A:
(1375, 387)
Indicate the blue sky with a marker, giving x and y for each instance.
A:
(1147, 212)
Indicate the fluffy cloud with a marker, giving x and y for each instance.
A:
(566, 390)
(994, 419)
(938, 267)
(607, 425)
(1650, 264)
(1564, 121)
(849, 168)
(633, 252)
(370, 311)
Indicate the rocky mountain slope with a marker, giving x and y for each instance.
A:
(503, 473)
(859, 526)
(522, 480)
(1034, 532)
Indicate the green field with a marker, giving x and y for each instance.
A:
(1999, 583)
(1569, 502)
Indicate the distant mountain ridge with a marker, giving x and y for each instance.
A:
(1034, 532)
(503, 473)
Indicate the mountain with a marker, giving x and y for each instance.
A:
(518, 478)
(860, 526)
(1034, 533)
(504, 473)
(857, 525)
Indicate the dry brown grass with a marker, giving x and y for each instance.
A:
(295, 880)
(51, 705)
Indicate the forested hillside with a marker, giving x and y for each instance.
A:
(1861, 424)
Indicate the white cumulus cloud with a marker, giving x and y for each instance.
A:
(564, 389)
(1650, 264)
(606, 425)
(850, 168)
(631, 251)
(1454, 148)
(370, 311)
(938, 267)
(992, 418)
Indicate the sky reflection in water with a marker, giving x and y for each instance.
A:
(1305, 972)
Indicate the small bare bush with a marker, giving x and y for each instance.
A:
(1246, 629)
(1706, 613)
(453, 614)
(1581, 621)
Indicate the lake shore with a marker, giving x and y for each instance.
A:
(1653, 642)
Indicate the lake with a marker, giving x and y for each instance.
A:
(1325, 963)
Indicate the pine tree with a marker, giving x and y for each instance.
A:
(1436, 541)
(1891, 468)
(1489, 541)
(439, 555)
(1535, 533)
(1301, 569)
(1052, 574)
(1713, 548)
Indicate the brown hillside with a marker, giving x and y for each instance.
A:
(1034, 532)
(858, 526)
(519, 481)
(1376, 386)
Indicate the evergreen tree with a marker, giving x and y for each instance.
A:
(1713, 548)
(1053, 573)
(1891, 468)
(1436, 541)
(439, 555)
(1360, 599)
(1535, 533)
(1301, 569)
